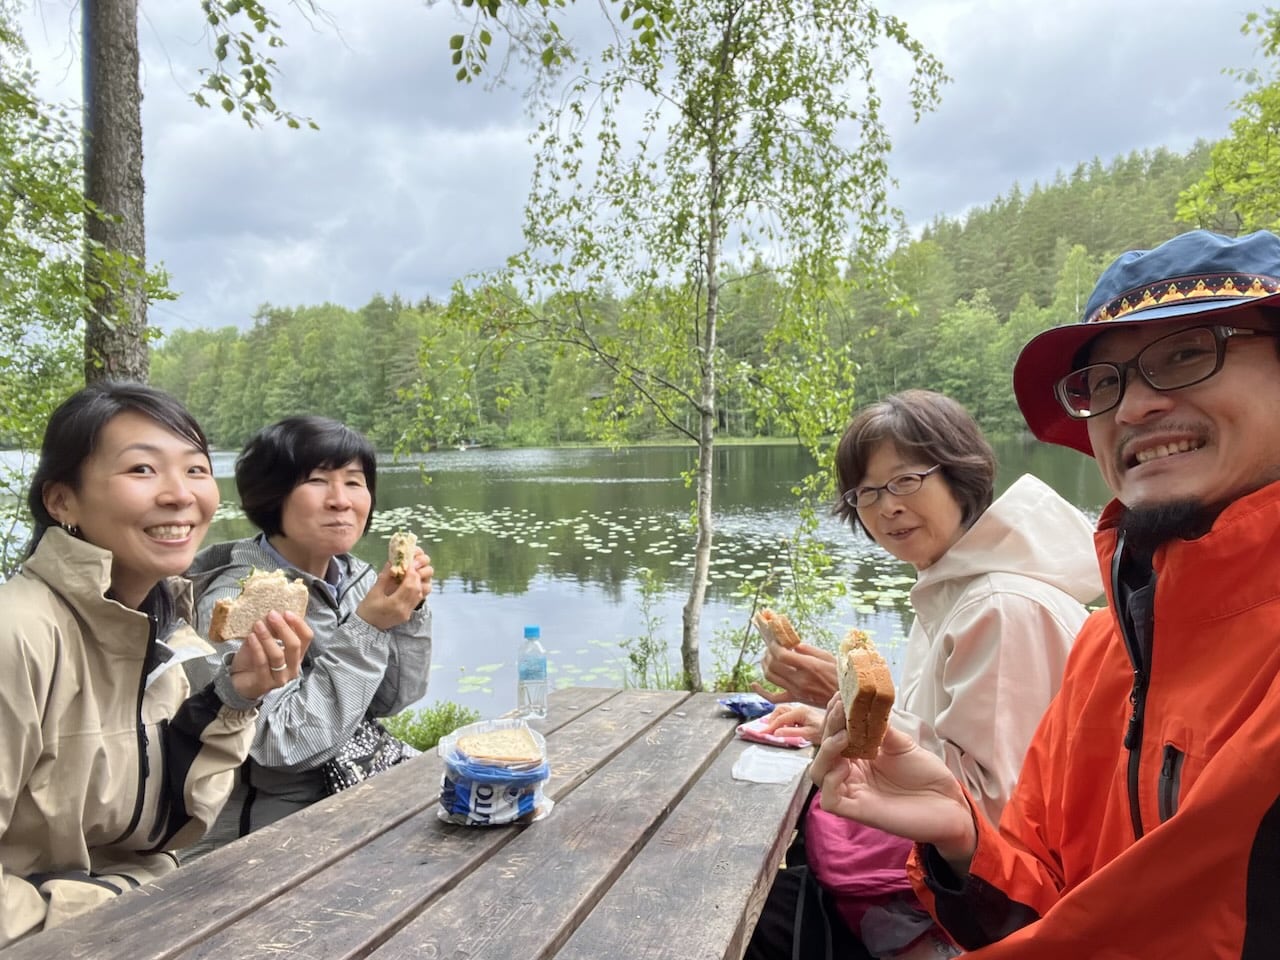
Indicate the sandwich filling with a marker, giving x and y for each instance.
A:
(400, 552)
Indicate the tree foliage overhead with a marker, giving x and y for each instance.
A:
(1240, 192)
(244, 35)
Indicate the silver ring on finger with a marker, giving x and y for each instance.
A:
(280, 669)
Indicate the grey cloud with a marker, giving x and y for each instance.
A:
(1041, 88)
(415, 181)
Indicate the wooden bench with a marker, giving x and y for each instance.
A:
(652, 851)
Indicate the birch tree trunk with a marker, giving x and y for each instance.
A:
(749, 125)
(692, 613)
(706, 403)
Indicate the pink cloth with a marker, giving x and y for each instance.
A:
(755, 730)
(861, 866)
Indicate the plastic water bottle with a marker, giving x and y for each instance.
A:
(531, 687)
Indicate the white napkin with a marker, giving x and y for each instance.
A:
(769, 765)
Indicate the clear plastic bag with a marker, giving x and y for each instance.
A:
(483, 793)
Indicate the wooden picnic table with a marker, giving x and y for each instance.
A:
(652, 851)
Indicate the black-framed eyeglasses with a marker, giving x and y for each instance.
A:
(902, 485)
(1179, 360)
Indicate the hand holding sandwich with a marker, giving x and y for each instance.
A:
(401, 588)
(905, 790)
(270, 655)
(268, 618)
(805, 673)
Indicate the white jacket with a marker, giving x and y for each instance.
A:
(995, 617)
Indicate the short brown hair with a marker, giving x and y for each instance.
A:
(926, 425)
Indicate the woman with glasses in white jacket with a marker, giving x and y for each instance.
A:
(999, 596)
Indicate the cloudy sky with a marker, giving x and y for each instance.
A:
(414, 181)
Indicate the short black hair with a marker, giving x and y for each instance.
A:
(927, 425)
(72, 434)
(281, 456)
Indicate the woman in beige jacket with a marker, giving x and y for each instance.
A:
(111, 761)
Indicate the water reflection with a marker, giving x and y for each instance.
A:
(559, 537)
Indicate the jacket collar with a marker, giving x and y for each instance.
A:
(79, 573)
(1227, 570)
(1029, 531)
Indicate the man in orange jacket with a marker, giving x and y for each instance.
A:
(1146, 821)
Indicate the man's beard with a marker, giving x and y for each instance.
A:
(1146, 528)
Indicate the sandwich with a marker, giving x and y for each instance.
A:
(260, 593)
(866, 690)
(400, 552)
(776, 628)
(509, 746)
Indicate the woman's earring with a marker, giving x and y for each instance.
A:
(72, 529)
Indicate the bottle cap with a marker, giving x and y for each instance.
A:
(532, 633)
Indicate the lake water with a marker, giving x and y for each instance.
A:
(558, 538)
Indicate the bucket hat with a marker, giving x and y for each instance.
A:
(1199, 274)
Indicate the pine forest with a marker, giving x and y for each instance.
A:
(953, 308)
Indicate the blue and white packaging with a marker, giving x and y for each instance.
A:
(748, 706)
(476, 792)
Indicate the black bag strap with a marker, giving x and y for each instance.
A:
(809, 888)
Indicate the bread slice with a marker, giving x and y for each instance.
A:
(866, 688)
(400, 552)
(260, 593)
(776, 628)
(511, 745)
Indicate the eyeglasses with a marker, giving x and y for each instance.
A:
(1179, 360)
(902, 485)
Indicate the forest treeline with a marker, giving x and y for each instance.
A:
(961, 300)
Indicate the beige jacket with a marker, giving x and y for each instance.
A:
(98, 722)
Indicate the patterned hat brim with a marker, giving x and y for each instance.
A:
(1048, 357)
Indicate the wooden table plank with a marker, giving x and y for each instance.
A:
(696, 890)
(563, 704)
(652, 851)
(237, 879)
(533, 892)
(353, 905)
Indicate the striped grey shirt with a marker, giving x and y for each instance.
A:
(351, 668)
